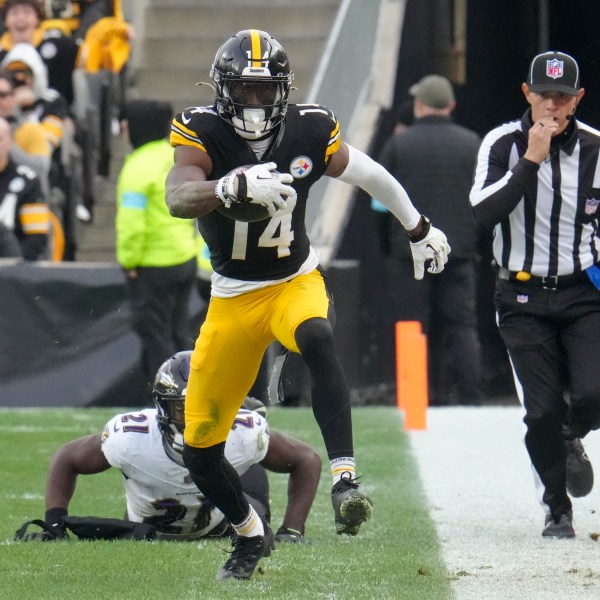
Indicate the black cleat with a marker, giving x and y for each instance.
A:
(563, 528)
(580, 474)
(247, 551)
(351, 506)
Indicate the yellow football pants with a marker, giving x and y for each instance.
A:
(231, 345)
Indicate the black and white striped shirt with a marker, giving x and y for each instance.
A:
(545, 217)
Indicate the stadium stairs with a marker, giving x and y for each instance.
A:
(175, 45)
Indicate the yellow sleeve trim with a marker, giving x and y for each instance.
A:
(34, 218)
(179, 137)
(334, 143)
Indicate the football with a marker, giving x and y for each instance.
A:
(246, 212)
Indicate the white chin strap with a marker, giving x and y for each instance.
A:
(178, 442)
(252, 126)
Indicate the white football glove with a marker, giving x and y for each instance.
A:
(258, 184)
(429, 250)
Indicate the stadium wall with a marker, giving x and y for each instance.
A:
(66, 340)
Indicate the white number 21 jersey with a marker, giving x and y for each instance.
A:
(159, 490)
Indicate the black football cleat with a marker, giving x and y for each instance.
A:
(247, 552)
(350, 506)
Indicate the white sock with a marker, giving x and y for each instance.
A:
(252, 525)
(343, 466)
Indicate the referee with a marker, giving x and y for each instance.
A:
(537, 184)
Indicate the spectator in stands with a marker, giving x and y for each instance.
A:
(23, 209)
(33, 94)
(37, 101)
(77, 16)
(157, 251)
(31, 146)
(23, 21)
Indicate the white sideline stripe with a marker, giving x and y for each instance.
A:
(479, 484)
(42, 429)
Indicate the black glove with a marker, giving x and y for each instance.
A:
(55, 517)
(290, 536)
(49, 533)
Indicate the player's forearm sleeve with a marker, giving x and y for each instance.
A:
(369, 175)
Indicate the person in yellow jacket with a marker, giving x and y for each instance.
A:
(157, 252)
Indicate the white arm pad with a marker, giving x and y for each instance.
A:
(374, 179)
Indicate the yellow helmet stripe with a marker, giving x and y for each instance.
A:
(255, 39)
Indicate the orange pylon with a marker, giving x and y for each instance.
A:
(411, 374)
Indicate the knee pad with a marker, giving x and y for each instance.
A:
(314, 335)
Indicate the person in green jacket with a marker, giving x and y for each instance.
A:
(156, 251)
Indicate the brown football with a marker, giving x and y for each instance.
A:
(246, 212)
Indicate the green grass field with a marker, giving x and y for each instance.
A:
(395, 556)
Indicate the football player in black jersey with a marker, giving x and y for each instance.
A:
(244, 167)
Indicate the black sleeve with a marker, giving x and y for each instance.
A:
(500, 203)
(33, 245)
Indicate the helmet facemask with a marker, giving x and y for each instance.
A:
(171, 420)
(168, 393)
(253, 105)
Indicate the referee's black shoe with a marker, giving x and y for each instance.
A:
(580, 474)
(560, 527)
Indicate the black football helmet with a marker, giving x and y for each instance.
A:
(252, 77)
(168, 393)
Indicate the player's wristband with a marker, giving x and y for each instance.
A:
(424, 232)
(225, 191)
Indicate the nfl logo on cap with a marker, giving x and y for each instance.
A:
(554, 68)
(553, 72)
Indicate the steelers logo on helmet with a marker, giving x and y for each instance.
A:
(252, 77)
(301, 166)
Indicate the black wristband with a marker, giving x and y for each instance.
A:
(242, 193)
(55, 515)
(424, 232)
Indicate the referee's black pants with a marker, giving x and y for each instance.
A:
(552, 335)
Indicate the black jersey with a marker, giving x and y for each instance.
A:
(23, 209)
(277, 247)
